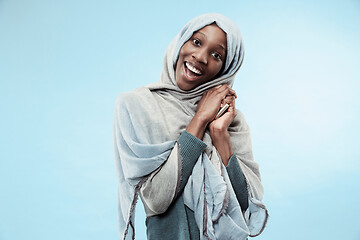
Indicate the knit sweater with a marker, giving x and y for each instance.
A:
(178, 221)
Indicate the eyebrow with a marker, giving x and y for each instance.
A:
(220, 45)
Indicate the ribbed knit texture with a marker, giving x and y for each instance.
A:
(238, 182)
(171, 225)
(149, 120)
(178, 222)
(193, 228)
(175, 223)
(190, 149)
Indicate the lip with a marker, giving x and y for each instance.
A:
(186, 70)
(195, 66)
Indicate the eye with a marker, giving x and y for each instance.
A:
(216, 55)
(196, 42)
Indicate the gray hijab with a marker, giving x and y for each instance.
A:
(234, 58)
(149, 120)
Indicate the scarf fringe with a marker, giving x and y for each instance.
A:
(132, 208)
(250, 193)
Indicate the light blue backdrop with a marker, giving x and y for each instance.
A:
(62, 64)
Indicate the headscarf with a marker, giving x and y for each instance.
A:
(234, 57)
(149, 120)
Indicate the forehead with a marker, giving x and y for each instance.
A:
(213, 34)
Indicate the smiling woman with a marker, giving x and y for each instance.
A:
(201, 58)
(194, 171)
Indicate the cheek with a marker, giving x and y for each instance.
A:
(217, 68)
(181, 55)
(186, 49)
(178, 64)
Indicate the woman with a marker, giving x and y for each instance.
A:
(194, 170)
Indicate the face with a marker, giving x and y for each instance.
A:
(201, 58)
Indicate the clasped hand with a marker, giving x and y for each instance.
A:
(207, 110)
(210, 104)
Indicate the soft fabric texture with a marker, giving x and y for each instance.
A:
(178, 222)
(164, 184)
(149, 120)
(238, 182)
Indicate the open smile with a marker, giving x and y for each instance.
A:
(191, 71)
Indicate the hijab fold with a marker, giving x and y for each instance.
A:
(149, 120)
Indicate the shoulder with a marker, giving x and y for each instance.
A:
(127, 98)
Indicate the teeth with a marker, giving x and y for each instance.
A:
(192, 68)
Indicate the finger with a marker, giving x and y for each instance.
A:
(222, 91)
(230, 99)
(226, 88)
(227, 93)
(232, 110)
(230, 102)
(222, 88)
(232, 91)
(216, 88)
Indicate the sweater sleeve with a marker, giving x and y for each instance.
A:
(238, 182)
(190, 149)
(167, 182)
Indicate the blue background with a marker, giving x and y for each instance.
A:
(62, 64)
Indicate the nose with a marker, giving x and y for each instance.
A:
(200, 55)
